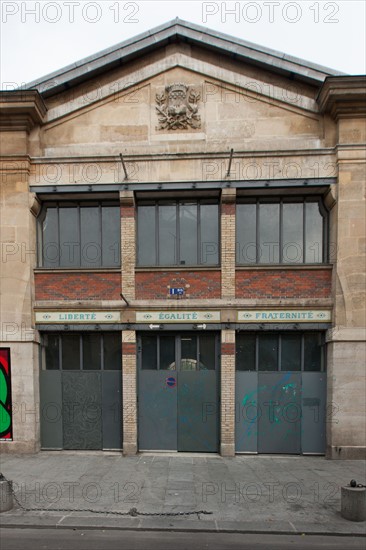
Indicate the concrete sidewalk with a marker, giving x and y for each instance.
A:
(278, 494)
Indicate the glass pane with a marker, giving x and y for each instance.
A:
(292, 223)
(269, 226)
(111, 236)
(69, 237)
(91, 250)
(246, 233)
(291, 352)
(188, 234)
(167, 353)
(268, 352)
(188, 353)
(207, 352)
(70, 352)
(91, 351)
(245, 352)
(313, 355)
(314, 233)
(167, 235)
(209, 234)
(52, 352)
(146, 235)
(149, 352)
(50, 248)
(112, 351)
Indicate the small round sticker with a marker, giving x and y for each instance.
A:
(171, 382)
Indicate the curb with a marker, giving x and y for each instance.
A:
(202, 526)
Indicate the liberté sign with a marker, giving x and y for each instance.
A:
(78, 317)
(285, 316)
(177, 316)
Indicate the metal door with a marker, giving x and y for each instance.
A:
(314, 394)
(246, 412)
(157, 410)
(81, 408)
(112, 409)
(51, 410)
(279, 422)
(197, 411)
(280, 393)
(178, 392)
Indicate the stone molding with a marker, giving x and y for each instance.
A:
(346, 334)
(21, 110)
(343, 96)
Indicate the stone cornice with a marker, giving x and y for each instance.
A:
(343, 96)
(21, 110)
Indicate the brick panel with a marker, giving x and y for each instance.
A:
(128, 348)
(227, 349)
(77, 286)
(197, 284)
(278, 283)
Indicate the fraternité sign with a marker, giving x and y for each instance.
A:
(285, 316)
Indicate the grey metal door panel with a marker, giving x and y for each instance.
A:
(51, 409)
(157, 410)
(279, 422)
(198, 411)
(112, 409)
(82, 410)
(313, 412)
(246, 411)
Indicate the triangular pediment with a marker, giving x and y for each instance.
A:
(122, 110)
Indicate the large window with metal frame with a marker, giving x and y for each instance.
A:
(283, 230)
(82, 351)
(178, 232)
(284, 351)
(184, 352)
(79, 234)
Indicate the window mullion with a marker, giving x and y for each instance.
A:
(157, 251)
(58, 235)
(197, 350)
(279, 353)
(81, 366)
(257, 231)
(199, 259)
(100, 212)
(304, 230)
(177, 233)
(60, 351)
(325, 236)
(280, 242)
(101, 343)
(79, 230)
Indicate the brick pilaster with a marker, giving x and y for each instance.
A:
(129, 372)
(228, 198)
(227, 393)
(128, 245)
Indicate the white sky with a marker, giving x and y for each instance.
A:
(40, 37)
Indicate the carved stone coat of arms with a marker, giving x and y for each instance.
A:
(177, 108)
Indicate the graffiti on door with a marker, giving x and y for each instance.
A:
(6, 431)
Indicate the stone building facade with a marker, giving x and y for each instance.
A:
(183, 252)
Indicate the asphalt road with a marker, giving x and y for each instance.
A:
(70, 539)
